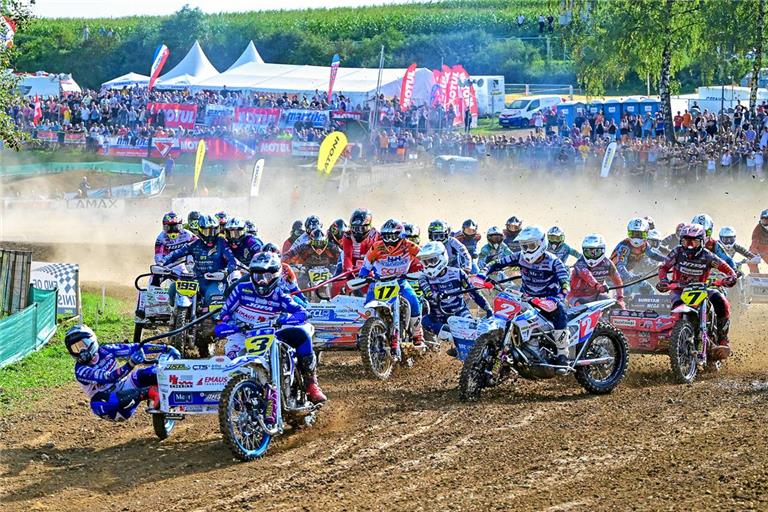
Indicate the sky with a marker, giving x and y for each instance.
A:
(113, 8)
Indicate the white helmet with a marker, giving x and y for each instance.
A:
(704, 221)
(593, 248)
(764, 219)
(654, 238)
(533, 243)
(637, 231)
(434, 258)
(727, 236)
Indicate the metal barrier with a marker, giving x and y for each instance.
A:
(14, 280)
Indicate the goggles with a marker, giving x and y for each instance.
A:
(438, 236)
(690, 243)
(235, 233)
(171, 228)
(594, 253)
(495, 239)
(531, 246)
(764, 221)
(263, 278)
(390, 238)
(556, 239)
(207, 232)
(318, 244)
(638, 234)
(515, 226)
(470, 231)
(78, 347)
(728, 240)
(360, 229)
(430, 261)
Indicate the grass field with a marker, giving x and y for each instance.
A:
(40, 372)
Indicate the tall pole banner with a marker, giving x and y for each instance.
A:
(436, 94)
(199, 161)
(454, 95)
(444, 81)
(158, 61)
(258, 169)
(406, 90)
(335, 63)
(330, 151)
(468, 94)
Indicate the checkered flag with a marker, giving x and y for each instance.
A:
(65, 274)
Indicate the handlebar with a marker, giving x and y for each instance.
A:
(178, 330)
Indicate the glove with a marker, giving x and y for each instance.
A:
(729, 281)
(620, 303)
(281, 320)
(663, 286)
(137, 357)
(224, 329)
(755, 260)
(601, 288)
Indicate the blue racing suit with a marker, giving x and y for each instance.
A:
(213, 258)
(243, 306)
(458, 255)
(546, 278)
(718, 249)
(246, 248)
(452, 280)
(563, 250)
(117, 390)
(628, 259)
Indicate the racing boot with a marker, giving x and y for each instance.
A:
(417, 333)
(308, 368)
(723, 349)
(561, 342)
(154, 398)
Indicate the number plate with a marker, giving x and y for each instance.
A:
(260, 343)
(187, 288)
(386, 291)
(693, 298)
(318, 275)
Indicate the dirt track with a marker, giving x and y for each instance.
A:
(410, 445)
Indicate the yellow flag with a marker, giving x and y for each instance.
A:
(199, 160)
(330, 151)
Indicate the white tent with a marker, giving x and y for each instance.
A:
(47, 84)
(193, 69)
(126, 80)
(250, 55)
(358, 84)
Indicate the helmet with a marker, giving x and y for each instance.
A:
(533, 243)
(337, 230)
(171, 224)
(555, 236)
(438, 231)
(222, 218)
(727, 236)
(469, 227)
(654, 238)
(251, 228)
(392, 233)
(208, 230)
(234, 231)
(637, 231)
(764, 219)
(706, 222)
(81, 343)
(692, 239)
(312, 222)
(360, 223)
(318, 241)
(649, 220)
(513, 224)
(192, 219)
(679, 228)
(270, 247)
(412, 233)
(265, 270)
(495, 237)
(434, 257)
(593, 248)
(297, 229)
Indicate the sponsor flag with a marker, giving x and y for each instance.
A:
(158, 61)
(445, 78)
(610, 153)
(258, 169)
(8, 28)
(406, 90)
(199, 161)
(467, 94)
(38, 115)
(330, 151)
(335, 63)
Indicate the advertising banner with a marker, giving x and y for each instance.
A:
(177, 115)
(302, 148)
(219, 115)
(274, 148)
(330, 151)
(406, 90)
(314, 118)
(258, 119)
(65, 277)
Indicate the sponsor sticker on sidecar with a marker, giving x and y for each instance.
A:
(200, 382)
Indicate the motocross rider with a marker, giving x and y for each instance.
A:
(591, 273)
(557, 245)
(242, 244)
(336, 233)
(316, 253)
(260, 299)
(759, 243)
(710, 243)
(469, 237)
(359, 240)
(511, 230)
(458, 256)
(412, 232)
(437, 280)
(393, 255)
(289, 282)
(115, 391)
(297, 229)
(543, 276)
(633, 253)
(210, 253)
(690, 262)
(222, 218)
(192, 219)
(727, 236)
(494, 249)
(310, 224)
(671, 241)
(172, 237)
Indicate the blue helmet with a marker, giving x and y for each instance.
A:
(81, 343)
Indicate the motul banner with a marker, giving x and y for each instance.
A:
(445, 78)
(467, 94)
(453, 95)
(258, 118)
(345, 115)
(406, 90)
(274, 148)
(177, 115)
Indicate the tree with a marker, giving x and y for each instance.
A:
(19, 13)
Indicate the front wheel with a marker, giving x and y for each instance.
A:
(683, 356)
(162, 425)
(180, 316)
(375, 349)
(242, 401)
(606, 342)
(477, 367)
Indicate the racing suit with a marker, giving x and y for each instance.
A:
(207, 259)
(629, 259)
(245, 248)
(509, 239)
(353, 253)
(307, 257)
(759, 246)
(714, 246)
(470, 242)
(749, 256)
(115, 390)
(686, 270)
(669, 243)
(588, 284)
(385, 264)
(165, 244)
(288, 243)
(563, 250)
(450, 281)
(458, 255)
(245, 307)
(489, 254)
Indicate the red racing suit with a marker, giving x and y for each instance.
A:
(354, 251)
(587, 282)
(759, 245)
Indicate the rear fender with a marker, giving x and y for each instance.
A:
(377, 305)
(183, 302)
(683, 309)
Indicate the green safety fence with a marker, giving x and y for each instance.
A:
(29, 329)
(113, 167)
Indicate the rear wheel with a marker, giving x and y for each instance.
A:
(162, 425)
(375, 348)
(242, 401)
(606, 341)
(683, 356)
(477, 367)
(178, 340)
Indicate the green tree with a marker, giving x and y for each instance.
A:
(18, 11)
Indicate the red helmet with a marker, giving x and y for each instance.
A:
(171, 223)
(692, 239)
